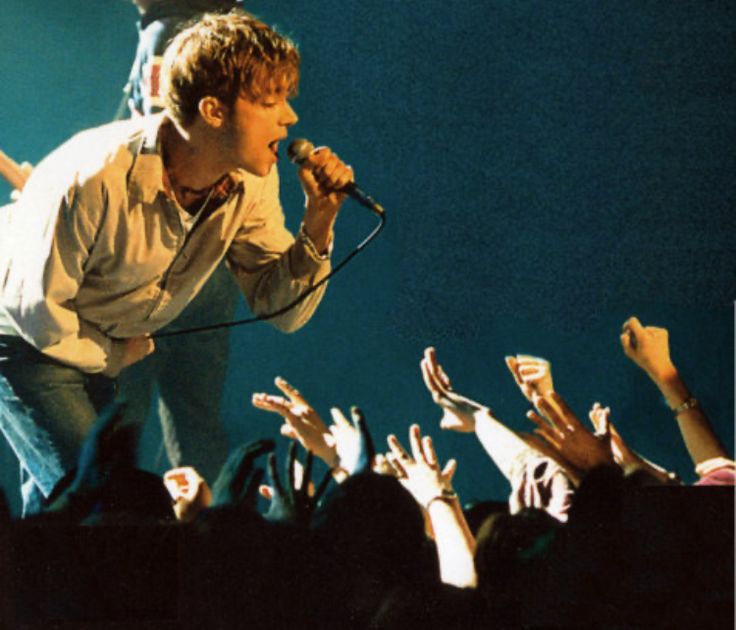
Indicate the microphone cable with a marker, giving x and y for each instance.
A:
(378, 210)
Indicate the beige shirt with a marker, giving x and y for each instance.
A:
(96, 251)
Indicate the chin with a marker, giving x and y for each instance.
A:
(258, 170)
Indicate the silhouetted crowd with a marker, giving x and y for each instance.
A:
(593, 535)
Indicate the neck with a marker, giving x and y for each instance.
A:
(190, 162)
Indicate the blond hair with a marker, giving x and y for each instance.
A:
(226, 56)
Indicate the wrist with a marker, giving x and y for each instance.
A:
(446, 495)
(664, 376)
(317, 225)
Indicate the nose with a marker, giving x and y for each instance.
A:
(288, 115)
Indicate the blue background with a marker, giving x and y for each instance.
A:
(548, 168)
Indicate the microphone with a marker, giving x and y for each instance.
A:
(300, 149)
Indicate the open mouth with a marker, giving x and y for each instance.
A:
(274, 146)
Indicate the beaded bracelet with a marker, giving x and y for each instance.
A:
(690, 403)
(446, 496)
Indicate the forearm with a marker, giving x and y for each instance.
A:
(501, 443)
(454, 541)
(276, 283)
(642, 463)
(697, 433)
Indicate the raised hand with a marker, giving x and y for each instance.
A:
(457, 411)
(108, 449)
(625, 457)
(323, 175)
(533, 375)
(353, 441)
(649, 348)
(431, 487)
(292, 501)
(561, 429)
(189, 492)
(267, 492)
(238, 480)
(600, 418)
(301, 421)
(420, 472)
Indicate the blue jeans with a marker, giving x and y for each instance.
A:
(46, 410)
(188, 373)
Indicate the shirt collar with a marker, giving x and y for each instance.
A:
(146, 175)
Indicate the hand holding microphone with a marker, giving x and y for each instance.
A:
(328, 172)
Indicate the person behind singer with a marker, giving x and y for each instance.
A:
(188, 401)
(119, 228)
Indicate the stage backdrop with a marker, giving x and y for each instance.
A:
(548, 169)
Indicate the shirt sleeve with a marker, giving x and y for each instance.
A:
(272, 267)
(46, 271)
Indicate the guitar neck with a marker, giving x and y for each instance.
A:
(11, 172)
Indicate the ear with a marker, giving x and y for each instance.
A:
(212, 110)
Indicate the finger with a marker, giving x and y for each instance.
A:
(511, 364)
(307, 472)
(549, 438)
(628, 343)
(268, 402)
(338, 417)
(537, 419)
(337, 175)
(290, 471)
(571, 420)
(237, 468)
(250, 496)
(443, 378)
(448, 472)
(322, 487)
(634, 325)
(397, 466)
(436, 369)
(274, 475)
(291, 392)
(632, 332)
(381, 466)
(288, 431)
(415, 442)
(429, 454)
(529, 372)
(594, 415)
(543, 425)
(548, 407)
(603, 417)
(347, 177)
(397, 449)
(361, 425)
(430, 382)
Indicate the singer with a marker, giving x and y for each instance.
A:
(118, 229)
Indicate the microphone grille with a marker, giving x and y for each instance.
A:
(298, 150)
